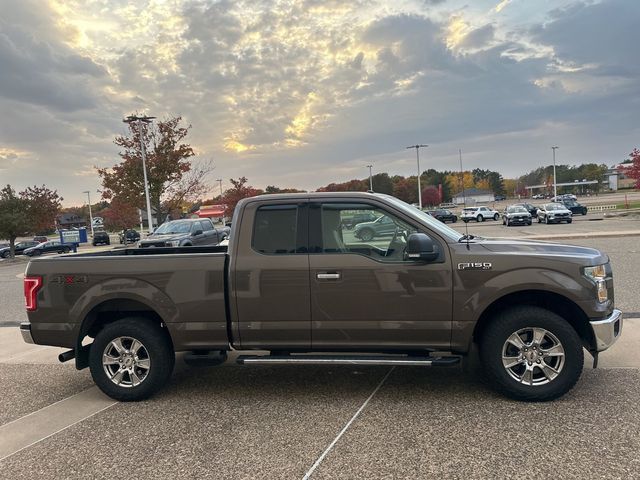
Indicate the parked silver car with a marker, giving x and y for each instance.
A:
(554, 213)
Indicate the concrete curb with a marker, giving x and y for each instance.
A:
(568, 236)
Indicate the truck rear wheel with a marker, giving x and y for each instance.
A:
(131, 359)
(531, 354)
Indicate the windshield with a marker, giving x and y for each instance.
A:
(555, 206)
(424, 217)
(516, 210)
(173, 227)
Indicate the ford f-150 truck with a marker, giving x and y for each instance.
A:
(297, 287)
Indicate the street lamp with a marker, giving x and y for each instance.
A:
(555, 183)
(418, 147)
(370, 178)
(90, 215)
(224, 208)
(134, 118)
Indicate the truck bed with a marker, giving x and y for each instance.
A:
(182, 287)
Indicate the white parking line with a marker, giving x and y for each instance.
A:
(346, 427)
(48, 421)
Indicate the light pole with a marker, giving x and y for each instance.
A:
(418, 147)
(141, 120)
(555, 183)
(224, 208)
(90, 215)
(370, 177)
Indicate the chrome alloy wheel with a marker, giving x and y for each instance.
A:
(533, 356)
(126, 362)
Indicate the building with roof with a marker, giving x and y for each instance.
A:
(471, 196)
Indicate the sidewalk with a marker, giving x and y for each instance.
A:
(559, 236)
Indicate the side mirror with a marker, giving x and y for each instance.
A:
(197, 232)
(420, 247)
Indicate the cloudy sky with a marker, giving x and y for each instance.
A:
(299, 93)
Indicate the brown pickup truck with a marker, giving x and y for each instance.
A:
(299, 287)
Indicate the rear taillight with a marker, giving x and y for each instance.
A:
(31, 287)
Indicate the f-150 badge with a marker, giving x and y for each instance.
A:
(475, 266)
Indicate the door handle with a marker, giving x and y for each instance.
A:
(328, 276)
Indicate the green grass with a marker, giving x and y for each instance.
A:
(631, 205)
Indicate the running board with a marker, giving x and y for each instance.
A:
(424, 361)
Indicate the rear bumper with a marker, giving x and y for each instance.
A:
(25, 330)
(607, 331)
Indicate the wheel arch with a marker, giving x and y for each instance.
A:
(551, 301)
(109, 311)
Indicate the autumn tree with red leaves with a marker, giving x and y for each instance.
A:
(430, 196)
(32, 211)
(168, 166)
(634, 170)
(120, 215)
(236, 193)
(44, 205)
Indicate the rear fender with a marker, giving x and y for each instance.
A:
(122, 289)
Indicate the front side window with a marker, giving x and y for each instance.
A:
(383, 238)
(275, 230)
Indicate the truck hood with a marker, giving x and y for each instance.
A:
(582, 255)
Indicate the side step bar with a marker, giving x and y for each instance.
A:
(424, 361)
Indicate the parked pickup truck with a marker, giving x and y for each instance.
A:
(297, 286)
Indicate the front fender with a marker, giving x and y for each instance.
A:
(472, 296)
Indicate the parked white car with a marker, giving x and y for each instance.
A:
(479, 214)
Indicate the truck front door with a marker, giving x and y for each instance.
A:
(366, 294)
(270, 277)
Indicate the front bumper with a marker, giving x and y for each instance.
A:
(607, 331)
(25, 330)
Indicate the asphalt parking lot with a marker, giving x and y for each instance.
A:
(328, 422)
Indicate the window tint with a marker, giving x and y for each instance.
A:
(342, 231)
(208, 226)
(275, 229)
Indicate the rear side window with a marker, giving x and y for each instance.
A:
(207, 225)
(275, 230)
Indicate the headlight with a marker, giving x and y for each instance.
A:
(598, 274)
(173, 243)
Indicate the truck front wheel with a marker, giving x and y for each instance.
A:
(131, 359)
(531, 354)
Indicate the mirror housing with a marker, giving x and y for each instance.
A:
(420, 247)
(196, 233)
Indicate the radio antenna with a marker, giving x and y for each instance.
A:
(464, 199)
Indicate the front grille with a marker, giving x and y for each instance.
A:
(152, 244)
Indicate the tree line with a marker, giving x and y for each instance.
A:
(178, 186)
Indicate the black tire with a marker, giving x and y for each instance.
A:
(366, 234)
(455, 219)
(160, 353)
(529, 222)
(479, 218)
(569, 221)
(521, 318)
(496, 217)
(5, 254)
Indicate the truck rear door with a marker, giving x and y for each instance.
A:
(270, 276)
